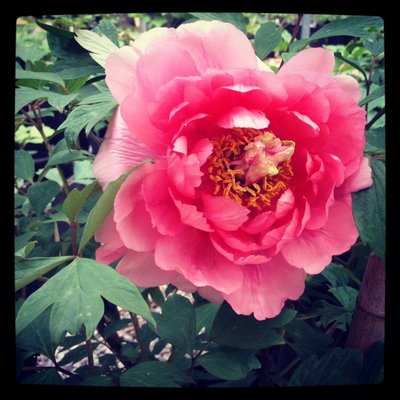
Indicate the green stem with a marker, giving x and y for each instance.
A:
(375, 118)
(289, 367)
(89, 350)
(369, 80)
(198, 354)
(136, 327)
(294, 34)
(73, 238)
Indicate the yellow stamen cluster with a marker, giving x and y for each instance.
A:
(230, 182)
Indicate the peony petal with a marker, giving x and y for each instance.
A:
(361, 179)
(210, 294)
(313, 251)
(162, 209)
(224, 212)
(121, 72)
(316, 60)
(192, 255)
(112, 247)
(266, 287)
(216, 44)
(183, 284)
(349, 85)
(240, 117)
(132, 220)
(119, 152)
(141, 269)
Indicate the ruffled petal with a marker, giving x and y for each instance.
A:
(266, 287)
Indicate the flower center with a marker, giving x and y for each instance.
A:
(250, 166)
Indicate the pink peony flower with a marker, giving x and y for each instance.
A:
(250, 188)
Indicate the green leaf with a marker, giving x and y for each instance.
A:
(30, 134)
(54, 30)
(346, 296)
(40, 194)
(376, 139)
(228, 363)
(22, 240)
(337, 367)
(115, 326)
(74, 295)
(242, 332)
(205, 315)
(76, 354)
(69, 69)
(103, 207)
(236, 19)
(370, 212)
(42, 76)
(296, 46)
(76, 199)
(88, 113)
(335, 275)
(24, 165)
(305, 339)
(330, 313)
(24, 96)
(98, 44)
(36, 336)
(267, 39)
(351, 26)
(107, 28)
(19, 200)
(156, 295)
(27, 270)
(376, 94)
(49, 376)
(375, 46)
(31, 53)
(61, 154)
(177, 323)
(154, 374)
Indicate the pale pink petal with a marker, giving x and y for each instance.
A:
(361, 179)
(284, 204)
(121, 72)
(140, 268)
(224, 212)
(112, 247)
(315, 59)
(162, 209)
(192, 254)
(266, 287)
(119, 152)
(313, 250)
(183, 284)
(216, 44)
(132, 220)
(349, 85)
(259, 224)
(240, 117)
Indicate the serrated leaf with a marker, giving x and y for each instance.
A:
(267, 39)
(154, 374)
(88, 113)
(75, 294)
(229, 363)
(103, 207)
(177, 323)
(231, 329)
(98, 45)
(36, 337)
(30, 134)
(107, 28)
(375, 46)
(236, 19)
(24, 96)
(370, 212)
(42, 76)
(376, 94)
(346, 296)
(24, 165)
(42, 193)
(62, 154)
(352, 26)
(27, 270)
(337, 367)
(335, 275)
(76, 199)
